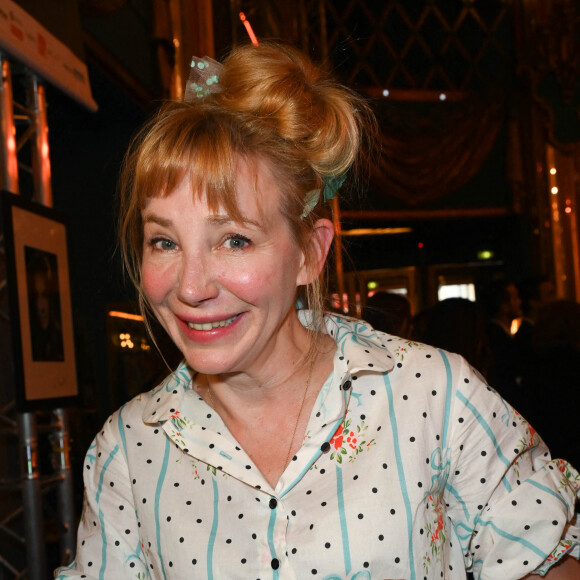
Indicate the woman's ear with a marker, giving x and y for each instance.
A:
(318, 247)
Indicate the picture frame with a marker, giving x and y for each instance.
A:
(40, 306)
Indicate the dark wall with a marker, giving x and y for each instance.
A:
(86, 153)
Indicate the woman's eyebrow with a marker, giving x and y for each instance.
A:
(156, 219)
(222, 219)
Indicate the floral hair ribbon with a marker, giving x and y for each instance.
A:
(203, 78)
(331, 186)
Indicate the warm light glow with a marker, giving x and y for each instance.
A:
(485, 255)
(420, 245)
(125, 315)
(372, 285)
(554, 190)
(375, 231)
(126, 341)
(516, 322)
(552, 171)
(249, 29)
(568, 209)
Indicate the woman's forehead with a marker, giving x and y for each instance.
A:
(254, 198)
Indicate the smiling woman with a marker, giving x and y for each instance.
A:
(293, 443)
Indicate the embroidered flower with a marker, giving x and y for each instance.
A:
(336, 440)
(348, 443)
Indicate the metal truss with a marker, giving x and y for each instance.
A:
(29, 499)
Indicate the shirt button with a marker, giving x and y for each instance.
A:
(273, 503)
(275, 563)
(325, 447)
(346, 385)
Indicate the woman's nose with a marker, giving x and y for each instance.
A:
(196, 283)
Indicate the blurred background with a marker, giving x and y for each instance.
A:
(477, 179)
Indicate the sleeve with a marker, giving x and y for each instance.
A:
(108, 544)
(510, 504)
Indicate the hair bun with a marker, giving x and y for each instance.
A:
(287, 97)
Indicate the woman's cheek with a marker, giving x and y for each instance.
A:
(156, 282)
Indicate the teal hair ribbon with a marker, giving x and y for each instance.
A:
(331, 186)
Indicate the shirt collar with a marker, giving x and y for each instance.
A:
(360, 348)
(166, 397)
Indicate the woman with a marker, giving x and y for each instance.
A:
(292, 444)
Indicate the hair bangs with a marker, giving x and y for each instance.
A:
(186, 143)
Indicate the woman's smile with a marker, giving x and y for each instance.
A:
(211, 325)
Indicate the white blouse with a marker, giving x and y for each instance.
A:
(411, 467)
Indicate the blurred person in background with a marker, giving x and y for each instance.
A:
(389, 312)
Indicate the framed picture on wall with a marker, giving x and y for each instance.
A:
(40, 309)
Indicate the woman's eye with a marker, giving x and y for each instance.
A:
(162, 244)
(236, 242)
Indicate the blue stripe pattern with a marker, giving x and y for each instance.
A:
(547, 490)
(102, 476)
(157, 498)
(101, 517)
(448, 393)
(104, 548)
(513, 538)
(213, 533)
(484, 425)
(271, 525)
(342, 516)
(401, 472)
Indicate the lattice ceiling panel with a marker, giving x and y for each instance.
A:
(441, 45)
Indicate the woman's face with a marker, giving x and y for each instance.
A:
(224, 290)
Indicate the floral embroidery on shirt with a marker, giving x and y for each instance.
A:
(402, 350)
(349, 442)
(435, 529)
(570, 477)
(559, 551)
(179, 425)
(530, 438)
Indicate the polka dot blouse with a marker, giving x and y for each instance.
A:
(411, 467)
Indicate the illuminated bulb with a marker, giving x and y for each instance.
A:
(552, 171)
(372, 285)
(420, 245)
(385, 92)
(568, 209)
(554, 190)
(442, 97)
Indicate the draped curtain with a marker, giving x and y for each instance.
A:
(427, 155)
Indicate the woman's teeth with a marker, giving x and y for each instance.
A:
(211, 325)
